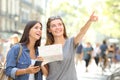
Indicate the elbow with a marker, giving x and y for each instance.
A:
(11, 72)
(7, 72)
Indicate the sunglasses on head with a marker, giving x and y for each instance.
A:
(54, 17)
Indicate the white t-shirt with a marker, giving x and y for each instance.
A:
(31, 76)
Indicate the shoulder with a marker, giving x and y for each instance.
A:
(13, 51)
(16, 46)
(69, 40)
(70, 43)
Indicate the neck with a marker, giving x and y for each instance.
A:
(59, 40)
(31, 45)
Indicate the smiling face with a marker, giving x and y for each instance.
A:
(56, 28)
(35, 32)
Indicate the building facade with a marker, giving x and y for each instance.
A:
(14, 14)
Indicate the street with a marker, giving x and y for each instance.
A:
(91, 76)
(94, 72)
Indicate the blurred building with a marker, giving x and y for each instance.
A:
(14, 14)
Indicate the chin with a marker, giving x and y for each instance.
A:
(37, 38)
(59, 35)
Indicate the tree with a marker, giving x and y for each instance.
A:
(75, 14)
(112, 12)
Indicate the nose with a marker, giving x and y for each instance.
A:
(58, 26)
(39, 30)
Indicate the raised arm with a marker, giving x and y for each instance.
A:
(84, 29)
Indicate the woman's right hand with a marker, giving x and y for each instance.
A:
(32, 69)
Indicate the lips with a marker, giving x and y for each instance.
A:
(38, 34)
(58, 31)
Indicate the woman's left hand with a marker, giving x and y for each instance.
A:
(93, 17)
(39, 58)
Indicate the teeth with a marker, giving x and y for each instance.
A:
(58, 31)
(38, 34)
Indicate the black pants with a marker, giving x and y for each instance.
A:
(88, 60)
(96, 60)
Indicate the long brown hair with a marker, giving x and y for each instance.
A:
(25, 36)
(50, 38)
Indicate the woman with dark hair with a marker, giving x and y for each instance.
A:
(56, 34)
(24, 69)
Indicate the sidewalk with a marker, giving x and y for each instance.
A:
(94, 72)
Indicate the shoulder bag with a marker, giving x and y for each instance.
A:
(3, 76)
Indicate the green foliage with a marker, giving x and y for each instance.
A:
(75, 15)
(113, 7)
(72, 13)
(112, 11)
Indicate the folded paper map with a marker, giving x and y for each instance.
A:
(51, 53)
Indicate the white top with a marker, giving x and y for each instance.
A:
(31, 76)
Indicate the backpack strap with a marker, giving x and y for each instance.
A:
(20, 52)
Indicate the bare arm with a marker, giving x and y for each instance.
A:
(45, 70)
(33, 70)
(84, 29)
(43, 67)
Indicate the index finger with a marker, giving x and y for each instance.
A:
(92, 13)
(36, 67)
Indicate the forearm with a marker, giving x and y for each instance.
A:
(21, 72)
(82, 32)
(45, 70)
